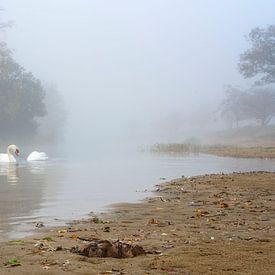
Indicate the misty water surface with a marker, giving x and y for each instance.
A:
(56, 191)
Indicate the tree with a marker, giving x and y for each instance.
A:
(259, 60)
(51, 126)
(21, 97)
(256, 104)
(232, 106)
(259, 104)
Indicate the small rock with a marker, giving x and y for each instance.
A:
(39, 225)
(106, 229)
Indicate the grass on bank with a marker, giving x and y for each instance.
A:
(220, 150)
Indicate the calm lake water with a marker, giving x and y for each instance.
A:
(56, 191)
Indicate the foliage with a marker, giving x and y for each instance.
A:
(259, 60)
(260, 104)
(21, 97)
(51, 126)
(254, 104)
(232, 106)
(27, 109)
(13, 262)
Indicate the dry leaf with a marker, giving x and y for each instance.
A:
(224, 205)
(74, 237)
(153, 221)
(201, 212)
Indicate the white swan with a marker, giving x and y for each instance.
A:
(37, 156)
(11, 151)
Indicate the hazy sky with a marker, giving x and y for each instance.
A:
(132, 63)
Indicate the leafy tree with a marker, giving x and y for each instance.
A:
(21, 97)
(232, 106)
(259, 104)
(51, 126)
(256, 104)
(259, 60)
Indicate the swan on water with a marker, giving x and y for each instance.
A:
(37, 156)
(12, 151)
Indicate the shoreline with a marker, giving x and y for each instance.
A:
(262, 152)
(218, 224)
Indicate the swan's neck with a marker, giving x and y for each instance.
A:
(9, 154)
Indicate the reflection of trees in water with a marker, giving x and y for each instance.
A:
(21, 193)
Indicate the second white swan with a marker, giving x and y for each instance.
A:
(37, 156)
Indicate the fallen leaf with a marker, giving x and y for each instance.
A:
(153, 221)
(248, 203)
(48, 238)
(62, 231)
(167, 246)
(224, 205)
(201, 212)
(74, 237)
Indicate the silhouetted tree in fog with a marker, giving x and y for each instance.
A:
(256, 104)
(51, 126)
(259, 104)
(21, 97)
(231, 107)
(259, 60)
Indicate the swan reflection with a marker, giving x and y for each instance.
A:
(10, 170)
(36, 167)
(22, 194)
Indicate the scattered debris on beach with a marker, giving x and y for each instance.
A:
(216, 223)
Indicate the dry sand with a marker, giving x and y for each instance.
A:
(212, 224)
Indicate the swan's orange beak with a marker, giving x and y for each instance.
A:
(17, 152)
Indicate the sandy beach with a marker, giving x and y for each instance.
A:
(211, 224)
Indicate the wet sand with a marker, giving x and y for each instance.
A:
(211, 224)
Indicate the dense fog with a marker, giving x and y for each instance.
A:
(131, 72)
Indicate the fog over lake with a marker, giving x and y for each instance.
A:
(128, 71)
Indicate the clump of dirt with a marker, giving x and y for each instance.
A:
(105, 248)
